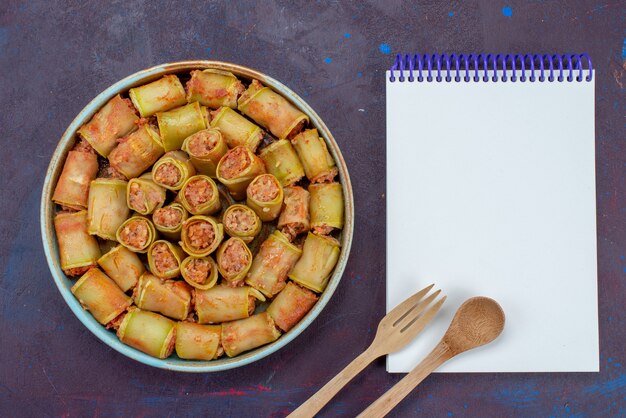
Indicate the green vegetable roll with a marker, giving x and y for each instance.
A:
(318, 164)
(107, 207)
(205, 149)
(199, 272)
(98, 294)
(224, 303)
(326, 207)
(137, 233)
(240, 221)
(198, 342)
(177, 124)
(214, 88)
(78, 250)
(164, 94)
(272, 111)
(123, 266)
(169, 219)
(143, 195)
(234, 260)
(290, 306)
(172, 170)
(169, 297)
(201, 235)
(265, 197)
(237, 168)
(164, 259)
(272, 264)
(282, 161)
(137, 152)
(149, 332)
(246, 334)
(200, 196)
(72, 189)
(237, 130)
(294, 218)
(319, 256)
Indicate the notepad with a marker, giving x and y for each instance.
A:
(491, 191)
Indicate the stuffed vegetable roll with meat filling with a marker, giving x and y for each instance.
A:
(164, 259)
(149, 332)
(265, 197)
(164, 94)
(236, 129)
(282, 161)
(201, 235)
(137, 233)
(200, 196)
(240, 221)
(169, 219)
(107, 207)
(177, 124)
(224, 303)
(172, 170)
(98, 294)
(272, 264)
(72, 189)
(114, 120)
(246, 334)
(136, 152)
(169, 297)
(214, 88)
(198, 342)
(199, 272)
(290, 306)
(294, 218)
(318, 164)
(326, 207)
(234, 260)
(78, 250)
(272, 111)
(123, 266)
(205, 149)
(319, 256)
(143, 195)
(237, 169)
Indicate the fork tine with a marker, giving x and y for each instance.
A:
(399, 310)
(418, 323)
(418, 308)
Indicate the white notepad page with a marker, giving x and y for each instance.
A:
(491, 191)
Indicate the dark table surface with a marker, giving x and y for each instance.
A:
(57, 55)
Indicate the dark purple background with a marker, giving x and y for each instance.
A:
(56, 56)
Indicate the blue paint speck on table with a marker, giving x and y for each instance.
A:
(385, 48)
(359, 74)
(347, 35)
(450, 13)
(624, 59)
(507, 11)
(328, 60)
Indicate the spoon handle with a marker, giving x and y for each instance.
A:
(381, 407)
(325, 394)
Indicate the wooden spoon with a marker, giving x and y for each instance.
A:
(478, 321)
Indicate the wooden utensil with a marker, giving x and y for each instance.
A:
(478, 321)
(395, 331)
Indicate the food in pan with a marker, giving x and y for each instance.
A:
(199, 214)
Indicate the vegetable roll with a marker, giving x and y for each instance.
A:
(123, 266)
(149, 332)
(78, 250)
(265, 197)
(272, 111)
(294, 218)
(282, 161)
(246, 334)
(169, 297)
(223, 303)
(199, 272)
(158, 96)
(205, 149)
(326, 207)
(137, 233)
(237, 130)
(114, 120)
(164, 259)
(143, 195)
(319, 256)
(290, 306)
(172, 170)
(214, 88)
(237, 169)
(98, 294)
(241, 221)
(200, 196)
(234, 260)
(318, 164)
(177, 124)
(198, 342)
(107, 207)
(136, 152)
(72, 189)
(169, 219)
(272, 264)
(201, 235)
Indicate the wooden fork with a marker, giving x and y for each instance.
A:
(395, 331)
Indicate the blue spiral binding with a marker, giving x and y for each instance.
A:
(444, 63)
